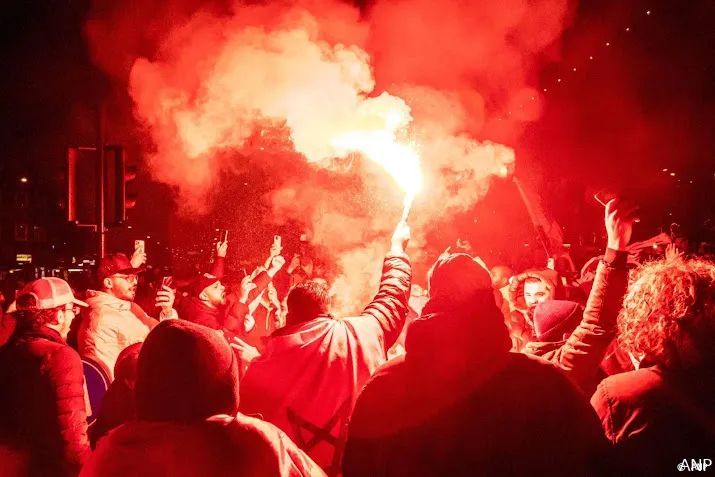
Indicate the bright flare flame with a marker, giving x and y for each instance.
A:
(400, 161)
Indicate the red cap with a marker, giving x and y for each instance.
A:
(116, 263)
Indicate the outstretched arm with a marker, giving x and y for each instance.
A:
(389, 307)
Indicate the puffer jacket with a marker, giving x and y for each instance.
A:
(308, 379)
(222, 446)
(110, 326)
(581, 354)
(43, 421)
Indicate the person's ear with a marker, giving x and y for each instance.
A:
(59, 317)
(203, 296)
(107, 282)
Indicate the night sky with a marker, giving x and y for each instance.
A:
(645, 103)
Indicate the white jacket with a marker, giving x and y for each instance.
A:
(111, 326)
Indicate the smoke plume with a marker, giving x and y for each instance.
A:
(452, 78)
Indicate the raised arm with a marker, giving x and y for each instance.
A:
(583, 352)
(219, 266)
(389, 307)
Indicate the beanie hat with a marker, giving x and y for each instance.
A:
(457, 276)
(554, 318)
(186, 373)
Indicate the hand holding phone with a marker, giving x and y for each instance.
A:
(139, 256)
(277, 247)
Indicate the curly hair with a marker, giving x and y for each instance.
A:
(29, 316)
(668, 310)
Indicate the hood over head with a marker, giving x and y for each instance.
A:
(460, 325)
(550, 277)
(186, 373)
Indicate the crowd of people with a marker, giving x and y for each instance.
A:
(487, 372)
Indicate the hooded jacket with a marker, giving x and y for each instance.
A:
(221, 446)
(307, 380)
(581, 354)
(519, 323)
(185, 374)
(110, 326)
(454, 404)
(43, 422)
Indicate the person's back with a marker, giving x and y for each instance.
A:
(521, 418)
(241, 446)
(307, 380)
(459, 403)
(186, 399)
(660, 416)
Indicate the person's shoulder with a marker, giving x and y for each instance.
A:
(63, 355)
(538, 370)
(633, 385)
(253, 427)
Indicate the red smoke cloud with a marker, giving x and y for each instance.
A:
(205, 79)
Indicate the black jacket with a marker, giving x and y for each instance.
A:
(657, 417)
(43, 417)
(459, 403)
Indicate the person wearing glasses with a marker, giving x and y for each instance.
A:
(114, 321)
(43, 422)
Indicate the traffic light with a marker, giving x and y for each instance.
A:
(82, 185)
(118, 175)
(83, 191)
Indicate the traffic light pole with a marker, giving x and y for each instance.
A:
(101, 236)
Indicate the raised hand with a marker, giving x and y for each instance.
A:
(672, 253)
(620, 217)
(165, 299)
(221, 249)
(401, 237)
(245, 352)
(246, 287)
(138, 258)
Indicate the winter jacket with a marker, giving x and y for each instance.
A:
(110, 326)
(657, 417)
(308, 379)
(219, 447)
(460, 403)
(43, 421)
(581, 354)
